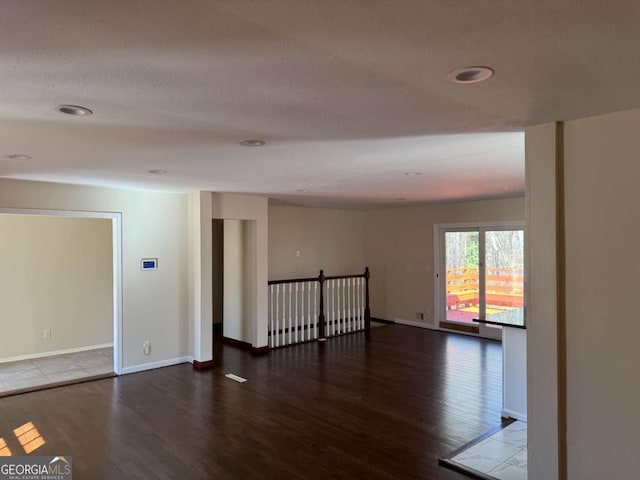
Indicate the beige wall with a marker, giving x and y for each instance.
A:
(55, 273)
(155, 304)
(602, 205)
(400, 253)
(328, 239)
(238, 274)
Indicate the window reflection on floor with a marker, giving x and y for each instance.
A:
(29, 437)
(4, 449)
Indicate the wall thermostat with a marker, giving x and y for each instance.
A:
(149, 264)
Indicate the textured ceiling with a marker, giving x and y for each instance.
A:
(349, 95)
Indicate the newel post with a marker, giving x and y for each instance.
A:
(321, 333)
(367, 309)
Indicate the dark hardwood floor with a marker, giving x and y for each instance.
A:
(387, 409)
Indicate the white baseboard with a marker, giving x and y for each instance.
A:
(411, 323)
(31, 356)
(506, 413)
(158, 364)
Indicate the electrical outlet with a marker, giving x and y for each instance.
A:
(419, 316)
(298, 253)
(46, 333)
(146, 347)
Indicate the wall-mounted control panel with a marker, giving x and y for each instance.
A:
(149, 264)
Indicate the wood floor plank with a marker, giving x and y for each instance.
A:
(386, 408)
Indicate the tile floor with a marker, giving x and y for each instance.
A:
(59, 368)
(503, 455)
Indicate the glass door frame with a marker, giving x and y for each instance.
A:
(439, 274)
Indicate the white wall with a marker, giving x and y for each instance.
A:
(155, 304)
(601, 172)
(602, 203)
(400, 253)
(200, 276)
(328, 239)
(250, 285)
(514, 373)
(55, 273)
(541, 303)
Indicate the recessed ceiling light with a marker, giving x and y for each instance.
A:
(74, 110)
(470, 75)
(19, 156)
(157, 171)
(252, 143)
(303, 190)
(413, 174)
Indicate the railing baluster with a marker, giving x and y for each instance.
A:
(349, 326)
(349, 315)
(336, 314)
(315, 309)
(296, 307)
(357, 294)
(329, 284)
(322, 336)
(345, 305)
(358, 303)
(303, 319)
(354, 305)
(330, 304)
(303, 315)
(367, 309)
(290, 319)
(342, 306)
(336, 306)
(361, 292)
(337, 322)
(309, 320)
(270, 289)
(354, 294)
(277, 323)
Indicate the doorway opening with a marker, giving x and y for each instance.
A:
(63, 271)
(234, 262)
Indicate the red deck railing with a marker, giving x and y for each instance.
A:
(504, 287)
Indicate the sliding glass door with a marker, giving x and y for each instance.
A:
(480, 274)
(462, 276)
(504, 275)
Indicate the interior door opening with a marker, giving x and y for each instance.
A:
(67, 318)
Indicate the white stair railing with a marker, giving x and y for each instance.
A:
(307, 309)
